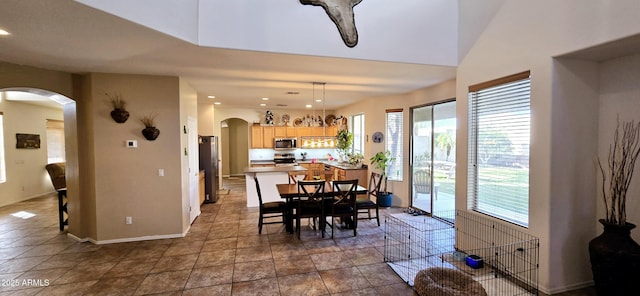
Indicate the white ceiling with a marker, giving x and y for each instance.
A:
(68, 36)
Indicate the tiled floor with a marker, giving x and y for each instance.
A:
(222, 255)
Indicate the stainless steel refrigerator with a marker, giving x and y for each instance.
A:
(208, 151)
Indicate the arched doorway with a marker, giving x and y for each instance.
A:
(43, 115)
(234, 141)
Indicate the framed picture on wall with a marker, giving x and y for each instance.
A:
(27, 141)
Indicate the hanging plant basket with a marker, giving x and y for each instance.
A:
(120, 115)
(151, 133)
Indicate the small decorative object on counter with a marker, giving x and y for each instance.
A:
(269, 117)
(355, 159)
(150, 132)
(304, 155)
(119, 113)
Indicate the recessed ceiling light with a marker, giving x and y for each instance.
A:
(263, 104)
(308, 106)
(217, 103)
(211, 97)
(265, 99)
(318, 100)
(4, 33)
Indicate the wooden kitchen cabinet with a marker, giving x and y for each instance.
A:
(256, 136)
(262, 136)
(317, 131)
(280, 132)
(285, 132)
(201, 186)
(303, 132)
(332, 131)
(268, 133)
(350, 174)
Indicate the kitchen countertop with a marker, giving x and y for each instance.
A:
(308, 161)
(284, 169)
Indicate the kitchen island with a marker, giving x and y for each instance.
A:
(268, 177)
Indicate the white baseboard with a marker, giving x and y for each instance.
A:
(129, 239)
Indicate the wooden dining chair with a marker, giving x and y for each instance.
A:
(343, 204)
(294, 177)
(368, 202)
(270, 210)
(310, 203)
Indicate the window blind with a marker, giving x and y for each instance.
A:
(394, 143)
(55, 141)
(499, 140)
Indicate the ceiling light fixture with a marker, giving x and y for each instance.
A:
(265, 99)
(4, 33)
(263, 105)
(211, 97)
(217, 103)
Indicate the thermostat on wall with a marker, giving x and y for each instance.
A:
(132, 143)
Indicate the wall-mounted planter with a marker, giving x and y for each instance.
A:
(120, 115)
(150, 133)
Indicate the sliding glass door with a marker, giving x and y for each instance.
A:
(433, 146)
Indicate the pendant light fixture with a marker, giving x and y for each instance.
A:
(323, 141)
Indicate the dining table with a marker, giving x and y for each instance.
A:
(289, 192)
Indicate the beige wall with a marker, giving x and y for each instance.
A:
(563, 102)
(127, 182)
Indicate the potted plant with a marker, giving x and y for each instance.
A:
(381, 161)
(615, 256)
(344, 142)
(119, 113)
(355, 159)
(150, 132)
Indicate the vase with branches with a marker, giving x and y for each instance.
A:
(614, 255)
(616, 179)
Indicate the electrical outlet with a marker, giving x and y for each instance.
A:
(128, 220)
(161, 172)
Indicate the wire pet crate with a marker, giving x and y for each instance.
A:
(509, 257)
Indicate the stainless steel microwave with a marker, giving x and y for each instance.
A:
(285, 143)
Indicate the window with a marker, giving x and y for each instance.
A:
(357, 128)
(55, 141)
(394, 142)
(3, 172)
(499, 137)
